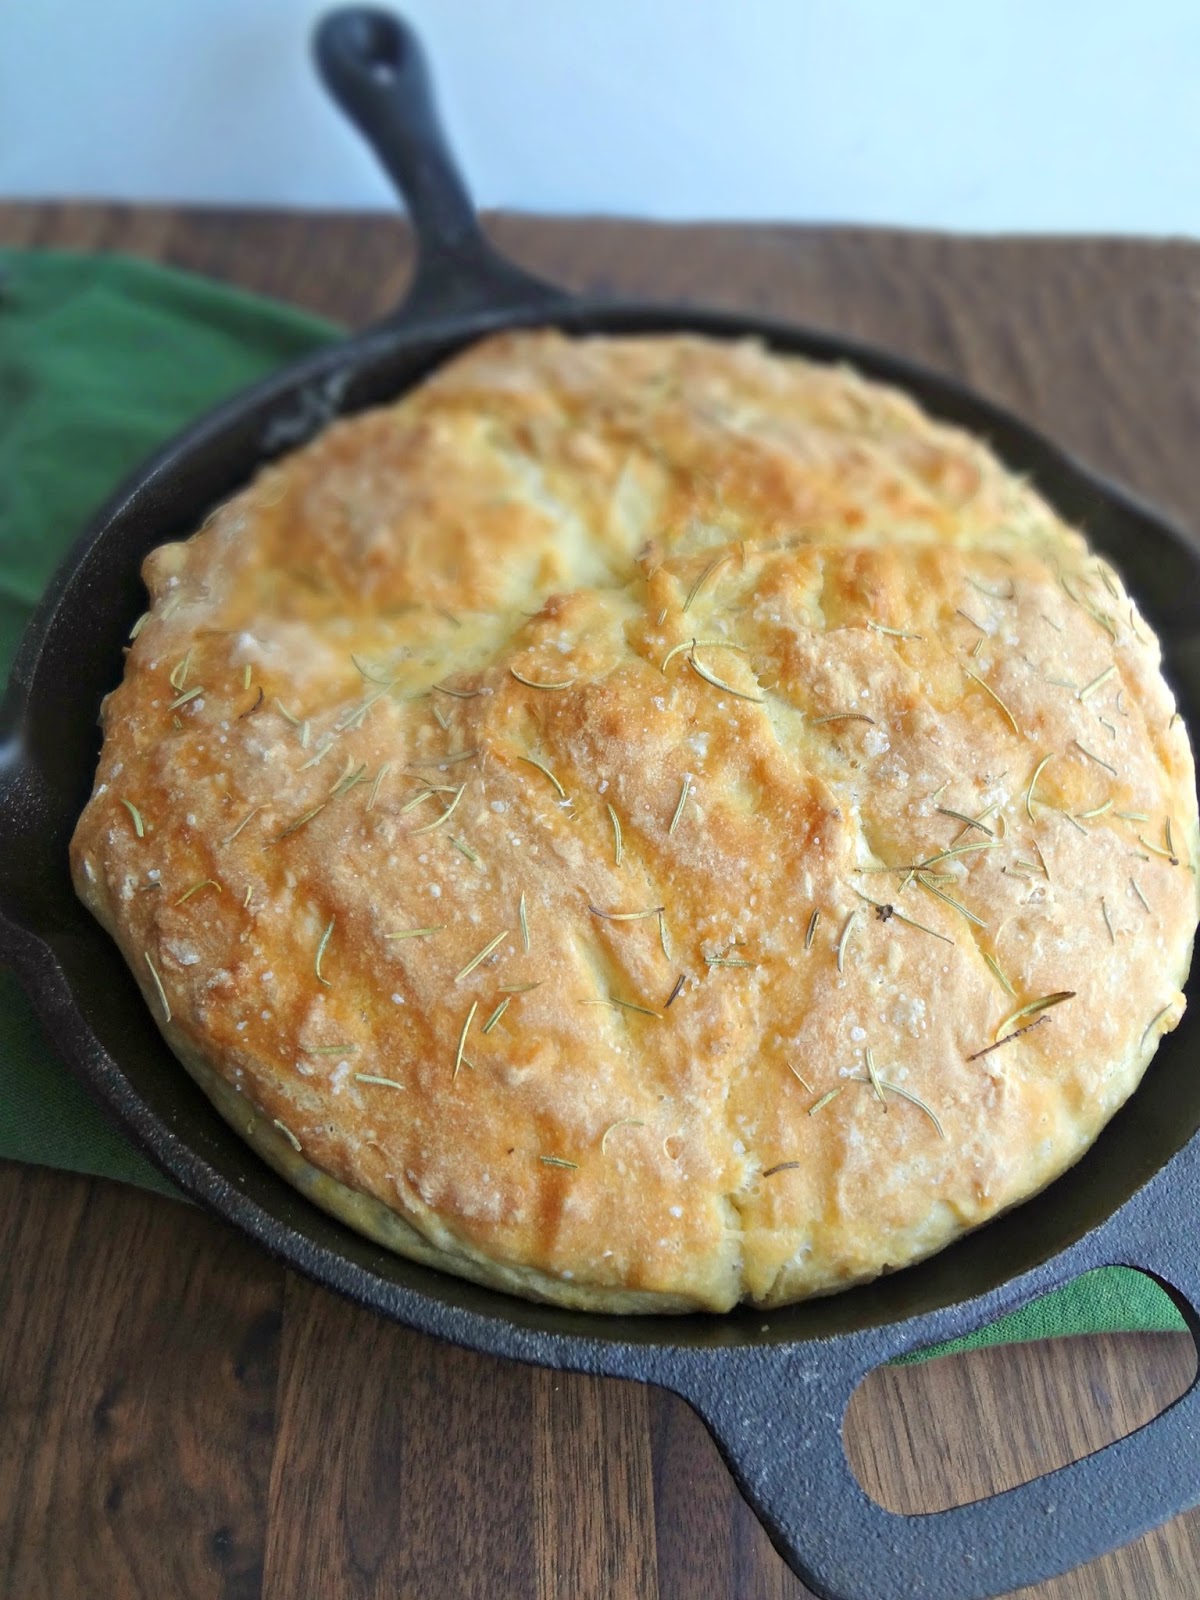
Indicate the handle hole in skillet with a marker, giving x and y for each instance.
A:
(380, 46)
(926, 1436)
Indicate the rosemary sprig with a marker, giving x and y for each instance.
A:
(820, 1104)
(702, 671)
(139, 826)
(1133, 884)
(1100, 762)
(950, 854)
(287, 1134)
(323, 749)
(366, 670)
(626, 916)
(188, 694)
(497, 1014)
(704, 577)
(1096, 811)
(179, 672)
(1158, 850)
(624, 1005)
(845, 939)
(416, 933)
(987, 688)
(698, 644)
(420, 797)
(892, 633)
(887, 912)
(623, 1122)
(321, 948)
(1167, 836)
(355, 719)
(457, 694)
(1037, 772)
(841, 716)
(813, 924)
(1008, 1038)
(373, 1078)
(350, 779)
(559, 1161)
(292, 827)
(1155, 1020)
(675, 992)
(158, 984)
(905, 1094)
(618, 842)
(967, 822)
(523, 919)
(1032, 1008)
(683, 797)
(546, 773)
(491, 945)
(873, 1077)
(462, 1038)
(1001, 979)
(464, 849)
(993, 594)
(379, 777)
(1096, 683)
(530, 683)
(196, 887)
(445, 816)
(930, 887)
(781, 1166)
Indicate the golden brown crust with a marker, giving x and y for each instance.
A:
(438, 661)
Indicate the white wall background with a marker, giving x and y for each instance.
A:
(973, 114)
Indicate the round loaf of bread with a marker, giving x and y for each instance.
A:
(649, 823)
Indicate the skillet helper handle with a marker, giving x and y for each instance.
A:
(776, 1414)
(373, 65)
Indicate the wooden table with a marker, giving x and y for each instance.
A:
(180, 1417)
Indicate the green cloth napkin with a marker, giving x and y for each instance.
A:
(101, 359)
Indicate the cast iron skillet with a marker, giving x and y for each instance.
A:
(772, 1387)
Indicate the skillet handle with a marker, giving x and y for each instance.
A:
(373, 65)
(777, 1414)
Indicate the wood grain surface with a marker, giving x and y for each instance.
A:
(180, 1417)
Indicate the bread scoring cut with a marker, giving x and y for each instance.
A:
(648, 823)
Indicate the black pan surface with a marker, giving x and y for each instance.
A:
(772, 1387)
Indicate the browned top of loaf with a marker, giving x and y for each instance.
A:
(555, 931)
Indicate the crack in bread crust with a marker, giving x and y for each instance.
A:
(387, 694)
